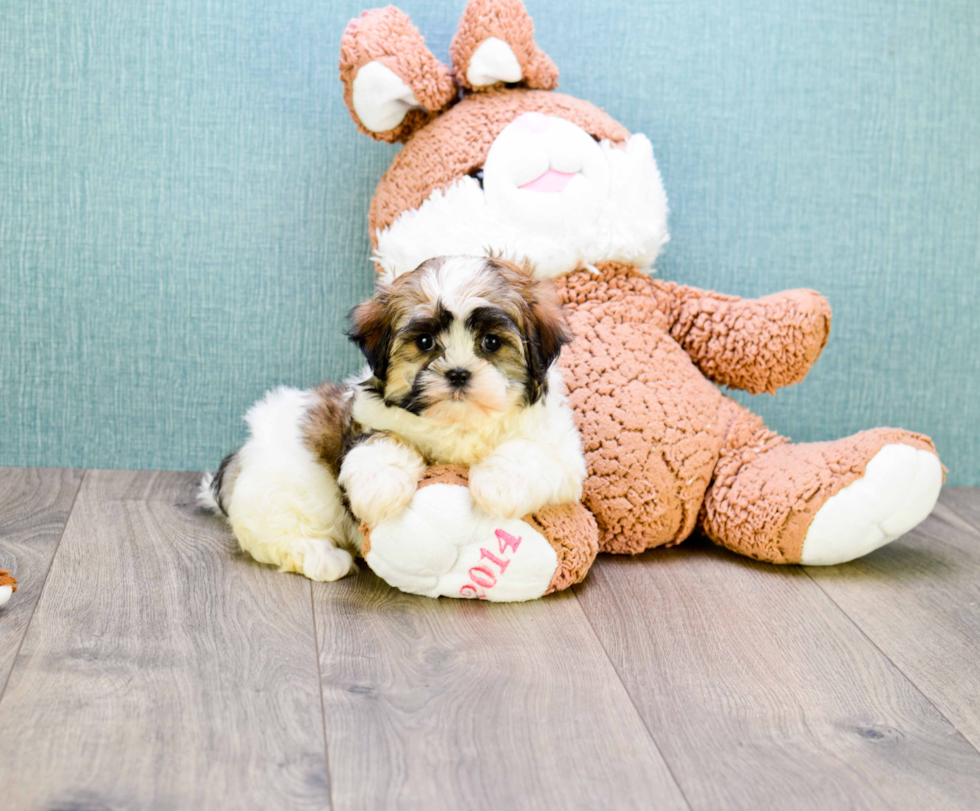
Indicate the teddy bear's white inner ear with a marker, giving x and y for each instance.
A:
(381, 99)
(493, 61)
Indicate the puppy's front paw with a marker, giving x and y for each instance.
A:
(378, 495)
(380, 477)
(500, 489)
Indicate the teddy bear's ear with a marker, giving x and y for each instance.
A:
(495, 44)
(392, 83)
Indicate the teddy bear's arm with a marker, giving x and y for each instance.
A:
(758, 345)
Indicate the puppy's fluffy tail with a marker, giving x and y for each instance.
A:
(216, 487)
(205, 494)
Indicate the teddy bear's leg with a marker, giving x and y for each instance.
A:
(819, 503)
(443, 545)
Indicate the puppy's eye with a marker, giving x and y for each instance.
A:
(491, 343)
(477, 175)
(424, 343)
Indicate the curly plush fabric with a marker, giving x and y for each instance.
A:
(386, 35)
(457, 142)
(446, 474)
(508, 21)
(574, 535)
(757, 345)
(648, 417)
(665, 449)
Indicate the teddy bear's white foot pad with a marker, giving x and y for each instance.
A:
(443, 545)
(5, 592)
(899, 488)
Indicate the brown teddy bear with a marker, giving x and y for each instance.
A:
(493, 160)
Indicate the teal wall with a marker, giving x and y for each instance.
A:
(183, 202)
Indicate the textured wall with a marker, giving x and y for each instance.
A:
(183, 202)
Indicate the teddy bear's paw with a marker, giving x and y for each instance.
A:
(899, 488)
(444, 545)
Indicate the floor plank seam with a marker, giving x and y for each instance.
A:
(44, 583)
(319, 689)
(629, 695)
(892, 662)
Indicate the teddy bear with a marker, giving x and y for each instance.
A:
(493, 159)
(8, 585)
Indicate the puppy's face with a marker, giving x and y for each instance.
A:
(461, 339)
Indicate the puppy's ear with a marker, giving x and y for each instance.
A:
(542, 320)
(545, 333)
(371, 330)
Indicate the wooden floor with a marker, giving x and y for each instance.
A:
(146, 664)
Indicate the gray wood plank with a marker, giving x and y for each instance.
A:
(162, 670)
(449, 704)
(965, 502)
(34, 507)
(762, 694)
(918, 600)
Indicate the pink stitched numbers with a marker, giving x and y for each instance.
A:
(506, 541)
(484, 576)
(503, 564)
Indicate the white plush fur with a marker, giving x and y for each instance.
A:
(285, 507)
(493, 61)
(5, 593)
(381, 99)
(614, 209)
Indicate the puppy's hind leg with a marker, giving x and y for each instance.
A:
(283, 504)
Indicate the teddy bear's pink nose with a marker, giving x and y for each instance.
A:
(531, 122)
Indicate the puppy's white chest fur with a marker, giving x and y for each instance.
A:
(453, 443)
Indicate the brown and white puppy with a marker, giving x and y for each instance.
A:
(461, 370)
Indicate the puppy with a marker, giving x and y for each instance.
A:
(461, 370)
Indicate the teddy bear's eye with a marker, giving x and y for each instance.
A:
(477, 174)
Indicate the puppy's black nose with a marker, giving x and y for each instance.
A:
(458, 377)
